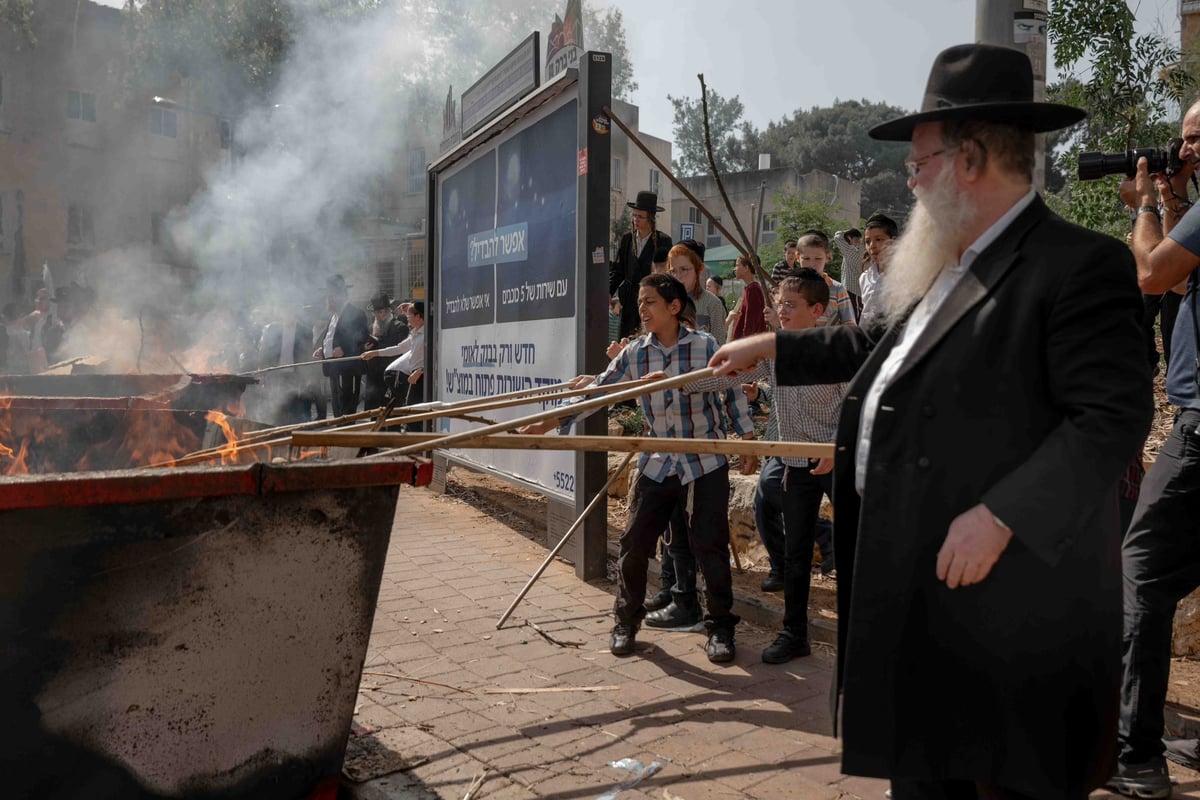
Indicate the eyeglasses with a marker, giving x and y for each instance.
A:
(786, 306)
(914, 166)
(640, 217)
(685, 268)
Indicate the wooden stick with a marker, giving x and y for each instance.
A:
(414, 680)
(417, 442)
(574, 410)
(712, 166)
(476, 784)
(600, 497)
(665, 170)
(339, 360)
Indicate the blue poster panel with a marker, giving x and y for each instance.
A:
(535, 273)
(468, 208)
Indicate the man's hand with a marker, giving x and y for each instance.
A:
(615, 348)
(338, 352)
(748, 465)
(772, 317)
(318, 353)
(368, 355)
(580, 381)
(1139, 190)
(538, 428)
(972, 547)
(823, 467)
(415, 376)
(743, 355)
(751, 391)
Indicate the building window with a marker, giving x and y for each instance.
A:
(617, 182)
(163, 122)
(81, 230)
(655, 180)
(693, 215)
(713, 239)
(81, 105)
(226, 132)
(416, 170)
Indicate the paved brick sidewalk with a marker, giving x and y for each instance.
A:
(746, 730)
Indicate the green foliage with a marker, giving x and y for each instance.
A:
(605, 30)
(1131, 85)
(734, 140)
(834, 139)
(18, 16)
(631, 420)
(797, 214)
(619, 227)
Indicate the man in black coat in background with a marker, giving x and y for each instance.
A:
(634, 257)
(983, 433)
(386, 331)
(346, 336)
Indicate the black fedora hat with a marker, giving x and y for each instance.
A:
(983, 82)
(381, 301)
(646, 201)
(337, 283)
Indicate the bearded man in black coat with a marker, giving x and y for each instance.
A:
(345, 336)
(986, 425)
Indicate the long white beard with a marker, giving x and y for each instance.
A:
(931, 241)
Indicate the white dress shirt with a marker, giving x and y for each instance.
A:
(411, 352)
(921, 315)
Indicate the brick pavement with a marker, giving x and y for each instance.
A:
(745, 730)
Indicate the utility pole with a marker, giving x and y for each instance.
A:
(1021, 25)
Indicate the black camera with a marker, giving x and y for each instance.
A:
(1093, 166)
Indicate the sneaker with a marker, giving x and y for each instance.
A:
(1146, 780)
(772, 583)
(720, 647)
(661, 599)
(786, 646)
(675, 616)
(623, 639)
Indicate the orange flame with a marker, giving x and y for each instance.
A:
(229, 452)
(18, 465)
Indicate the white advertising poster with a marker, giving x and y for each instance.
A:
(507, 277)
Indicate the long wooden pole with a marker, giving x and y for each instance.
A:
(665, 170)
(414, 442)
(555, 413)
(596, 501)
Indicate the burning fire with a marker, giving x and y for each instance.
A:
(229, 451)
(16, 461)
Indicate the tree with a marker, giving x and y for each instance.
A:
(605, 30)
(732, 137)
(796, 213)
(1132, 86)
(834, 139)
(18, 15)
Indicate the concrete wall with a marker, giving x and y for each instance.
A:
(743, 189)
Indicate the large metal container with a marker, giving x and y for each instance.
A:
(195, 632)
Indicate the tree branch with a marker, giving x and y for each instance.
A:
(712, 165)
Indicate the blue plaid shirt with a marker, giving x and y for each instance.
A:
(674, 413)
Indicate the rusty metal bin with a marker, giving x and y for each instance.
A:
(195, 632)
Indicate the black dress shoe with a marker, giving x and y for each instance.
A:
(623, 639)
(675, 616)
(661, 599)
(720, 648)
(786, 646)
(773, 583)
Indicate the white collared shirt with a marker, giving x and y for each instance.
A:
(922, 314)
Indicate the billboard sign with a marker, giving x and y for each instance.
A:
(516, 75)
(507, 270)
(565, 43)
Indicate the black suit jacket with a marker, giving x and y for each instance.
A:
(626, 270)
(1028, 391)
(353, 329)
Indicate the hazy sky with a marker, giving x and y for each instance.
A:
(781, 55)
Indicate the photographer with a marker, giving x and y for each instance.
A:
(1160, 553)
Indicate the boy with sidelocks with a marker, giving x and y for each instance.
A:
(697, 482)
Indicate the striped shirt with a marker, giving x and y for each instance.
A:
(710, 315)
(839, 311)
(852, 259)
(798, 413)
(674, 413)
